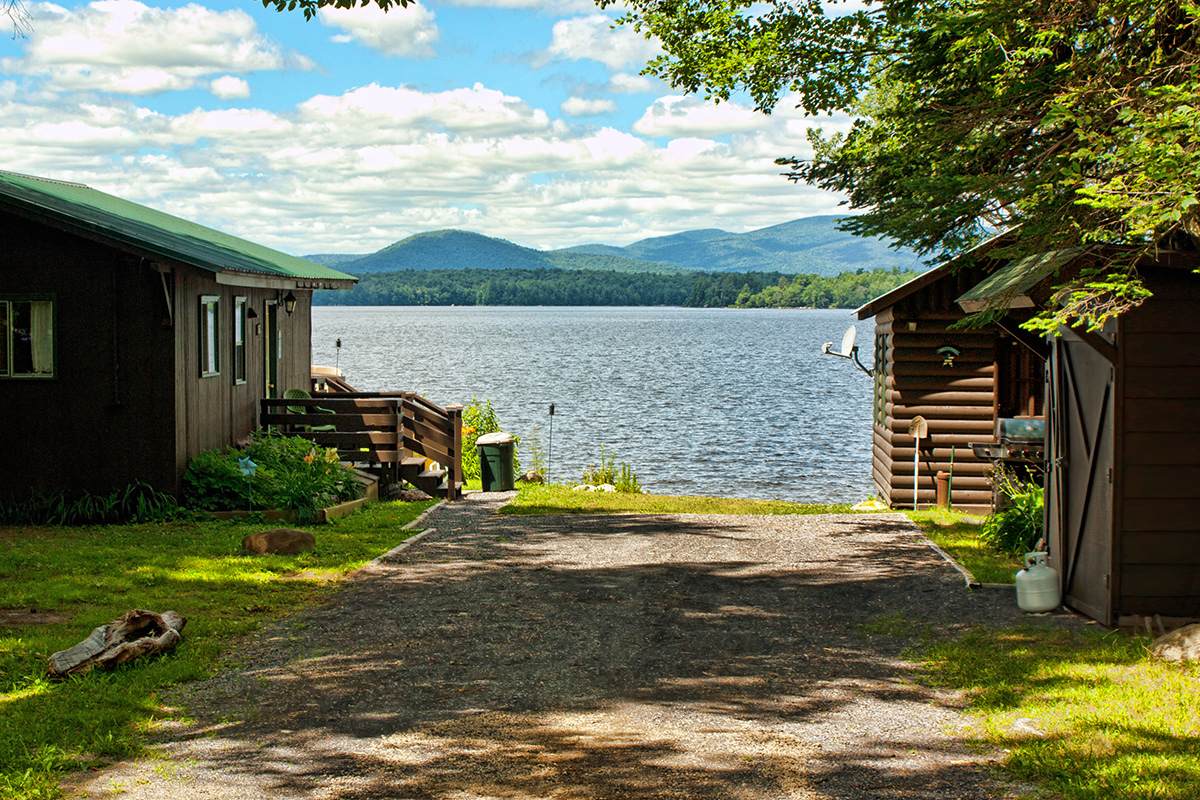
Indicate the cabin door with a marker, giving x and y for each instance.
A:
(1079, 489)
(272, 347)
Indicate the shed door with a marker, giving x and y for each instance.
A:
(1079, 497)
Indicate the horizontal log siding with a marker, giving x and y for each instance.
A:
(1158, 526)
(957, 401)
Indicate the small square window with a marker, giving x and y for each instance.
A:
(26, 338)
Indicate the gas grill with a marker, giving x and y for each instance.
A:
(1017, 441)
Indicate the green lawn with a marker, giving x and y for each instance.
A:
(535, 498)
(93, 575)
(958, 535)
(1088, 716)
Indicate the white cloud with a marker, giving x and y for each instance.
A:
(126, 47)
(593, 38)
(356, 171)
(627, 83)
(580, 107)
(677, 115)
(228, 87)
(401, 32)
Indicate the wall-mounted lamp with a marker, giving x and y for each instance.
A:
(912, 326)
(251, 313)
(289, 303)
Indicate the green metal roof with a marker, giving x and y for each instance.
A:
(78, 207)
(1006, 287)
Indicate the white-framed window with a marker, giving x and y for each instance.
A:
(210, 338)
(240, 324)
(26, 337)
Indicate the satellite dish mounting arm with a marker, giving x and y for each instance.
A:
(849, 351)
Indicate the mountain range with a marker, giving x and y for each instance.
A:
(810, 245)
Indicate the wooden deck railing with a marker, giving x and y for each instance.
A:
(382, 428)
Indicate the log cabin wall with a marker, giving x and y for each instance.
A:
(959, 401)
(106, 418)
(1157, 481)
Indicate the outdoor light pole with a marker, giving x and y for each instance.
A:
(550, 448)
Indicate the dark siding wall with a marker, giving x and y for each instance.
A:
(106, 420)
(214, 411)
(1158, 527)
(957, 401)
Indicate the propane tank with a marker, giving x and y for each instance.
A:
(1037, 584)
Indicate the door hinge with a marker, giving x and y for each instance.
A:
(1106, 581)
(1110, 474)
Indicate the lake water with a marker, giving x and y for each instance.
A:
(728, 402)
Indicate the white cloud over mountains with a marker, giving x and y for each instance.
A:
(352, 169)
(126, 47)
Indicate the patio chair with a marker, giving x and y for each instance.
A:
(300, 394)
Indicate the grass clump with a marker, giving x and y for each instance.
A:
(92, 575)
(1091, 717)
(535, 499)
(622, 478)
(1017, 527)
(962, 537)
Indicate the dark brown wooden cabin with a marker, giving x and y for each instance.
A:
(131, 340)
(1123, 450)
(995, 373)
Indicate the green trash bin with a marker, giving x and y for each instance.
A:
(496, 461)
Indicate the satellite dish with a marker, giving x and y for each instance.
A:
(848, 340)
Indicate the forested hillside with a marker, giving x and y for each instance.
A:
(553, 287)
(453, 250)
(812, 245)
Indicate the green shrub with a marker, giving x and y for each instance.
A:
(623, 477)
(478, 419)
(290, 473)
(1018, 526)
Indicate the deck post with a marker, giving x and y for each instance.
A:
(454, 412)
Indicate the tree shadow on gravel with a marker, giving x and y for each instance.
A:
(609, 657)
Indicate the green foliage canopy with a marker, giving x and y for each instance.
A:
(556, 287)
(310, 7)
(1065, 124)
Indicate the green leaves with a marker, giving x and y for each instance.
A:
(1064, 124)
(310, 7)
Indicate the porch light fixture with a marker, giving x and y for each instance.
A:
(289, 303)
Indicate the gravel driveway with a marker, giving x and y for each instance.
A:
(594, 657)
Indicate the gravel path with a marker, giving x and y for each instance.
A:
(597, 657)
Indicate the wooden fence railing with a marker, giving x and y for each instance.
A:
(376, 428)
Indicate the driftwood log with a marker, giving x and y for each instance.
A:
(137, 633)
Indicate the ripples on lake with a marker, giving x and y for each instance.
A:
(728, 402)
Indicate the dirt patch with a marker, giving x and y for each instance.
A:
(20, 617)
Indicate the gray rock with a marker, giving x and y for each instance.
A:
(1180, 645)
(280, 542)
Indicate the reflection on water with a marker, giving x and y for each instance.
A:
(699, 401)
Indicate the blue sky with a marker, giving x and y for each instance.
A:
(522, 119)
